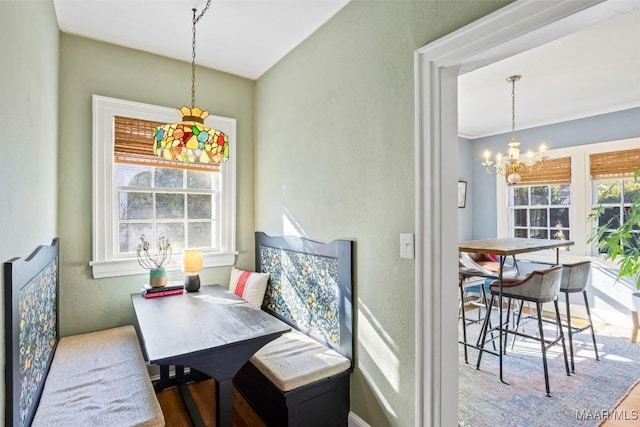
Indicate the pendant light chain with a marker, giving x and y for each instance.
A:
(191, 142)
(513, 80)
(193, 51)
(513, 109)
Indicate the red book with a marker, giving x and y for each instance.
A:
(162, 293)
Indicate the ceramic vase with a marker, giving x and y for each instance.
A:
(157, 278)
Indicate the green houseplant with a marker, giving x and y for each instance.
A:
(621, 242)
(156, 261)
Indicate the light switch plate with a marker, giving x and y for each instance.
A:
(406, 246)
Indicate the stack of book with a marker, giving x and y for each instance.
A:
(172, 288)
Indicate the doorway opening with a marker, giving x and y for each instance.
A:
(510, 30)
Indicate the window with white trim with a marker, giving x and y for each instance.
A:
(540, 211)
(540, 204)
(135, 195)
(579, 200)
(613, 187)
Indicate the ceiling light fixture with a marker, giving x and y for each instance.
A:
(512, 167)
(191, 141)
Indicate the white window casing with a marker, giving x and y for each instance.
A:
(105, 262)
(581, 190)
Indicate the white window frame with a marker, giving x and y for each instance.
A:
(529, 207)
(105, 204)
(581, 193)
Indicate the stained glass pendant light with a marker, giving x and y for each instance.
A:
(191, 141)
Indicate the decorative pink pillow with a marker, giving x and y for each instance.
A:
(249, 285)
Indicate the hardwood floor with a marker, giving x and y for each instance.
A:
(203, 393)
(627, 412)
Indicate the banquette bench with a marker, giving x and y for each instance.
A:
(302, 378)
(94, 379)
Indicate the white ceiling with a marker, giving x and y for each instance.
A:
(242, 37)
(591, 72)
(594, 71)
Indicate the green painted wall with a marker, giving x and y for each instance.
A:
(89, 67)
(335, 139)
(29, 44)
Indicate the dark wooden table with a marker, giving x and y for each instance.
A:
(504, 247)
(213, 331)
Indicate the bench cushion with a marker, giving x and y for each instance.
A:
(99, 379)
(294, 360)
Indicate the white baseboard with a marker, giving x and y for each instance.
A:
(356, 421)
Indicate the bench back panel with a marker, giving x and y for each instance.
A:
(31, 330)
(310, 287)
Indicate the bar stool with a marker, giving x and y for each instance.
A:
(463, 274)
(575, 278)
(539, 287)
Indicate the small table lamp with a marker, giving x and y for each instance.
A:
(192, 264)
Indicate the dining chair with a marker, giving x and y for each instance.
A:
(538, 287)
(575, 278)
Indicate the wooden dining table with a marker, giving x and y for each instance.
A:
(504, 247)
(213, 331)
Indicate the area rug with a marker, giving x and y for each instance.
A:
(585, 398)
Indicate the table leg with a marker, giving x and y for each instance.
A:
(224, 403)
(636, 326)
(500, 325)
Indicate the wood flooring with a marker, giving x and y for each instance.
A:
(203, 393)
(627, 413)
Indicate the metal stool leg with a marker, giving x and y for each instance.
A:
(464, 325)
(483, 330)
(593, 334)
(543, 346)
(570, 331)
(564, 347)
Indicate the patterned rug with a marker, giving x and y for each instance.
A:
(582, 399)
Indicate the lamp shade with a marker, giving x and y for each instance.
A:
(192, 260)
(190, 141)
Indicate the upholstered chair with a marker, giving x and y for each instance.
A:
(538, 287)
(575, 278)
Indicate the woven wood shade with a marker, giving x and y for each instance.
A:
(133, 143)
(614, 165)
(553, 171)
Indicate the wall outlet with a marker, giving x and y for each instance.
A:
(406, 246)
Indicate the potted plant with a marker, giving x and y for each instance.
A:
(155, 262)
(621, 242)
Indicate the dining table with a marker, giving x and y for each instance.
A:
(212, 331)
(504, 247)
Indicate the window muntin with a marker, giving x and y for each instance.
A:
(182, 205)
(540, 211)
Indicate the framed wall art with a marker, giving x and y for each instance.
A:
(462, 194)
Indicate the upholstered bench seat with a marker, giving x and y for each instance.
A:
(99, 379)
(294, 360)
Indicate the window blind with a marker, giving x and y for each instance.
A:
(553, 171)
(133, 143)
(615, 164)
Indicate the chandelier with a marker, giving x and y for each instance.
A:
(512, 166)
(190, 140)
